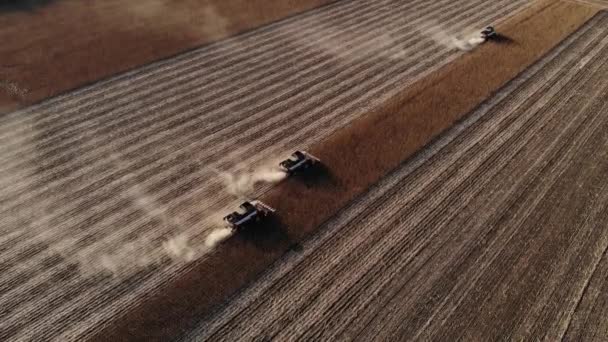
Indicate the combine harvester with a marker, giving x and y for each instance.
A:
(300, 161)
(489, 33)
(253, 213)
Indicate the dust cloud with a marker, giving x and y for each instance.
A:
(241, 184)
(179, 248)
(463, 41)
(181, 243)
(216, 236)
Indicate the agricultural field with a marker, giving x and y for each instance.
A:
(475, 226)
(459, 193)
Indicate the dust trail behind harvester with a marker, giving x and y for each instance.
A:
(216, 236)
(183, 248)
(463, 41)
(242, 184)
(180, 245)
(179, 248)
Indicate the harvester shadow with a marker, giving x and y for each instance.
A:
(317, 176)
(266, 235)
(502, 39)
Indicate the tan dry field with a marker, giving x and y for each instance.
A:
(97, 180)
(78, 42)
(356, 158)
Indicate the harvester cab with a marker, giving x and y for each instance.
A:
(488, 33)
(298, 162)
(250, 214)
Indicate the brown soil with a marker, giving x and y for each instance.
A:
(599, 3)
(60, 45)
(356, 157)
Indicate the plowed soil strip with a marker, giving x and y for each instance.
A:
(357, 157)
